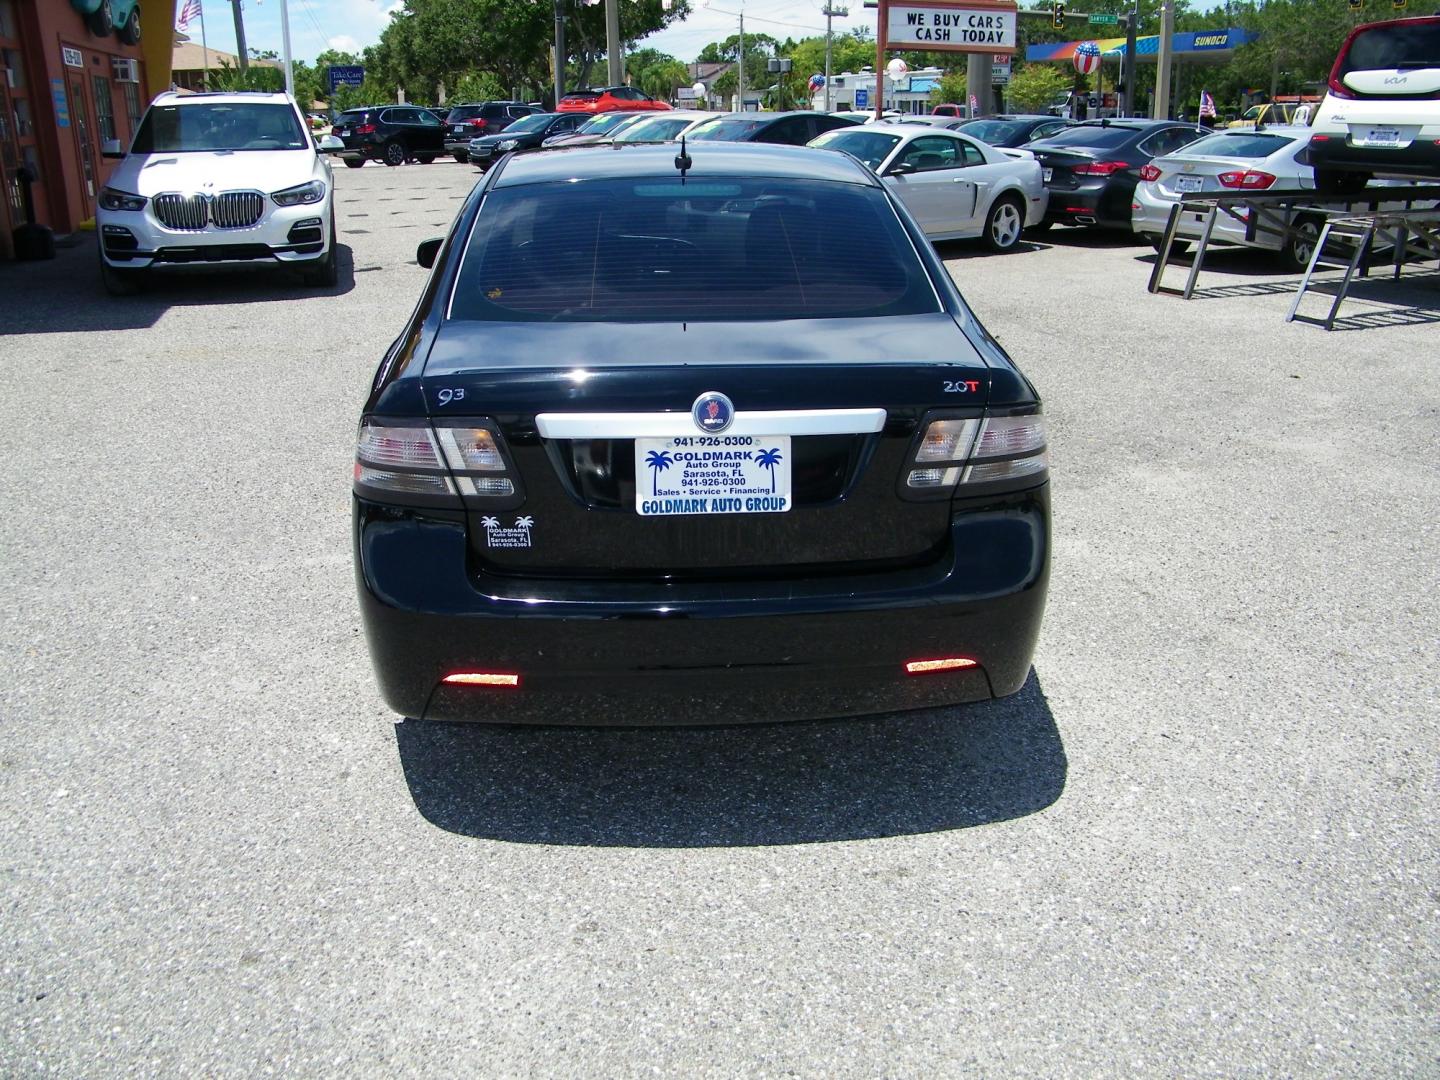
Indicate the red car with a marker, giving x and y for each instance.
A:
(600, 99)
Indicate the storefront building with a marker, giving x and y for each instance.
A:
(64, 91)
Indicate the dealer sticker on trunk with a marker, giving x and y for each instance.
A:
(712, 474)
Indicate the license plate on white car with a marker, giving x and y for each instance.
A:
(712, 474)
(1377, 137)
(1187, 184)
(1046, 174)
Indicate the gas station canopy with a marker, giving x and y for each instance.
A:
(1213, 46)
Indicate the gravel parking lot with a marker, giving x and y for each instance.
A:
(1202, 841)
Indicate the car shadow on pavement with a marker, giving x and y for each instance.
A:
(795, 783)
(957, 250)
(64, 295)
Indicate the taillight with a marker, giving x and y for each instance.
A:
(1338, 88)
(956, 454)
(1100, 168)
(478, 122)
(408, 461)
(1246, 180)
(365, 129)
(1149, 172)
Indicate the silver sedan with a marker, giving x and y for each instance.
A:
(954, 186)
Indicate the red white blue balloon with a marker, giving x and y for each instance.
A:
(817, 83)
(1087, 57)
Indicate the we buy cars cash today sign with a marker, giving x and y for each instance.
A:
(979, 26)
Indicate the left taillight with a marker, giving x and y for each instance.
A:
(464, 463)
(1246, 179)
(961, 456)
(1100, 168)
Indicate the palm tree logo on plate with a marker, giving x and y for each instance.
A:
(657, 461)
(768, 459)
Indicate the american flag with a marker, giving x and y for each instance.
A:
(1207, 103)
(190, 10)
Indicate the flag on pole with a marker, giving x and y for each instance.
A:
(974, 105)
(1207, 104)
(190, 10)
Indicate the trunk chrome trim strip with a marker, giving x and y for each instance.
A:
(674, 424)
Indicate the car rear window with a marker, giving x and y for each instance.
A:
(1249, 145)
(172, 129)
(1108, 136)
(993, 131)
(666, 249)
(1416, 45)
(463, 112)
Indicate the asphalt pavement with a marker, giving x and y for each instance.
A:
(1201, 842)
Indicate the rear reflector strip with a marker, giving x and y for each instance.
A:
(949, 663)
(482, 678)
(675, 424)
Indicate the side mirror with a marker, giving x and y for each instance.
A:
(428, 251)
(900, 168)
(111, 148)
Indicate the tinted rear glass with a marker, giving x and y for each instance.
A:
(994, 131)
(727, 130)
(462, 112)
(1414, 46)
(169, 129)
(1240, 146)
(659, 249)
(1090, 136)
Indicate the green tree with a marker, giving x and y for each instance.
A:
(950, 90)
(847, 53)
(758, 49)
(476, 86)
(656, 73)
(1033, 87)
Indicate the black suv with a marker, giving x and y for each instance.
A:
(467, 122)
(393, 134)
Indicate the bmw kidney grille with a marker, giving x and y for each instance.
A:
(228, 210)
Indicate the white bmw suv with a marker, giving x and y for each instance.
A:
(1381, 116)
(217, 180)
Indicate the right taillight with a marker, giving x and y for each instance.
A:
(1149, 172)
(953, 455)
(1246, 179)
(365, 129)
(408, 461)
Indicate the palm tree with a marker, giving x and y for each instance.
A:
(489, 522)
(768, 459)
(657, 461)
(524, 522)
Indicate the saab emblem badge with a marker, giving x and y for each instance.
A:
(712, 412)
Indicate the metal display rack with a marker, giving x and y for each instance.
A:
(1407, 226)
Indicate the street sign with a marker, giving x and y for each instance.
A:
(1000, 70)
(978, 26)
(862, 99)
(1104, 20)
(346, 75)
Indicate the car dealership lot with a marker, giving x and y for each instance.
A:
(1201, 841)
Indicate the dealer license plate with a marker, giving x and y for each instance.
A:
(1187, 184)
(1378, 137)
(1046, 174)
(712, 474)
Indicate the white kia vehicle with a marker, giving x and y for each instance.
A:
(1381, 116)
(954, 186)
(1234, 160)
(222, 181)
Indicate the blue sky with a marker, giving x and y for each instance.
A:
(350, 25)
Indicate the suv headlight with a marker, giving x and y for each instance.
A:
(303, 195)
(507, 144)
(114, 199)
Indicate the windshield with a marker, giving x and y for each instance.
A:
(178, 129)
(533, 122)
(668, 249)
(725, 130)
(994, 131)
(603, 123)
(1416, 45)
(871, 147)
(1256, 145)
(1097, 136)
(654, 130)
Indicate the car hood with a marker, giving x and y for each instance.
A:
(221, 170)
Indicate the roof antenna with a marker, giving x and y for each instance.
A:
(683, 160)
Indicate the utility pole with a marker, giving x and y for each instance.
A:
(830, 12)
(285, 53)
(243, 55)
(1162, 61)
(742, 60)
(614, 47)
(559, 52)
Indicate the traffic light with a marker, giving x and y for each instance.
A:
(1057, 15)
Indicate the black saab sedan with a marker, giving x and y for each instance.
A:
(656, 446)
(1092, 169)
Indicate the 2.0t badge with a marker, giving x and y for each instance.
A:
(712, 412)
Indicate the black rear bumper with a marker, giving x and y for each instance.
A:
(1421, 159)
(637, 653)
